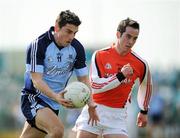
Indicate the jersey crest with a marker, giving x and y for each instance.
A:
(108, 66)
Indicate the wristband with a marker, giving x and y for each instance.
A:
(120, 76)
(143, 112)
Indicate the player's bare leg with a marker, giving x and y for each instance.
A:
(115, 136)
(49, 122)
(85, 134)
(31, 132)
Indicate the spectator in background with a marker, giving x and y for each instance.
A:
(157, 108)
(156, 114)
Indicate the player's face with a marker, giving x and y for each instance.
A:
(66, 34)
(127, 39)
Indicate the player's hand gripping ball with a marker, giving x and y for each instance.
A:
(78, 93)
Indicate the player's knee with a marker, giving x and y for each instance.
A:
(57, 132)
(24, 136)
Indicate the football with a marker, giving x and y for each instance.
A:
(78, 93)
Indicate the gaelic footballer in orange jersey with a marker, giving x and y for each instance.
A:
(106, 87)
(113, 73)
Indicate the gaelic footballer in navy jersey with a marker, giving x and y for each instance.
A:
(50, 62)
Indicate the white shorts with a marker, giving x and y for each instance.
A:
(112, 121)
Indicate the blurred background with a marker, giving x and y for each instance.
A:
(21, 21)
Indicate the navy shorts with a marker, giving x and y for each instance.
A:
(30, 104)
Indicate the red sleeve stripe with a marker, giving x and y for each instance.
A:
(100, 85)
(148, 91)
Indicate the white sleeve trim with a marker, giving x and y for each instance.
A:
(98, 84)
(145, 91)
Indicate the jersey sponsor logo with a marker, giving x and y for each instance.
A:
(59, 64)
(59, 71)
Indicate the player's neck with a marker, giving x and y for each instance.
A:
(56, 40)
(120, 51)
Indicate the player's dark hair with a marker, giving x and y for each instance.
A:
(125, 23)
(68, 17)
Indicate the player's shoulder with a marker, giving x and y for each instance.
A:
(104, 50)
(43, 40)
(76, 43)
(79, 48)
(46, 38)
(101, 53)
(138, 57)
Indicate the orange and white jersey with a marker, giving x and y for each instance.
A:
(107, 89)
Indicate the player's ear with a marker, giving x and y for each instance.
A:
(118, 34)
(56, 27)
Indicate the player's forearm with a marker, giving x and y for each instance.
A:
(84, 79)
(44, 88)
(143, 97)
(90, 101)
(145, 91)
(39, 84)
(100, 85)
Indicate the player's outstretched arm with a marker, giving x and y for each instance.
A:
(143, 97)
(93, 116)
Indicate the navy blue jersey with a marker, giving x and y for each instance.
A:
(55, 63)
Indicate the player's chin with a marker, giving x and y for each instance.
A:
(128, 47)
(68, 42)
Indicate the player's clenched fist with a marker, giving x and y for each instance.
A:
(127, 70)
